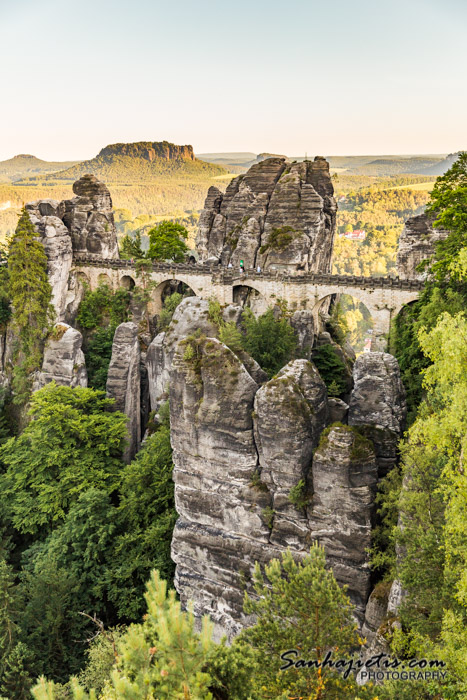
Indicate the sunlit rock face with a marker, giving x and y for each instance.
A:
(378, 405)
(90, 220)
(124, 382)
(64, 361)
(416, 244)
(277, 216)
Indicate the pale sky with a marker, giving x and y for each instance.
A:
(284, 76)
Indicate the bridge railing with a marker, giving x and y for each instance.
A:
(224, 275)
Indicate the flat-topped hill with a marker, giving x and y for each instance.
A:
(144, 161)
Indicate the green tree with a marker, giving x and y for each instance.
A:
(331, 368)
(300, 606)
(270, 340)
(167, 242)
(73, 442)
(131, 248)
(31, 296)
(448, 202)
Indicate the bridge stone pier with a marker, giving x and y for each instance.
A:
(383, 296)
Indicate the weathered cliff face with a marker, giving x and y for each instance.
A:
(64, 361)
(90, 220)
(191, 315)
(83, 225)
(278, 216)
(344, 488)
(247, 483)
(124, 382)
(417, 243)
(149, 150)
(378, 405)
(56, 239)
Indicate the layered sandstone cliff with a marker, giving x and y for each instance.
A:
(255, 470)
(278, 216)
(416, 244)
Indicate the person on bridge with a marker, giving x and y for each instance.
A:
(230, 265)
(258, 269)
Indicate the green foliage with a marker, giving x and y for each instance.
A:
(268, 514)
(298, 495)
(147, 515)
(168, 310)
(103, 306)
(446, 292)
(449, 202)
(331, 368)
(31, 296)
(73, 442)
(167, 242)
(98, 355)
(269, 340)
(99, 314)
(299, 606)
(131, 248)
(280, 238)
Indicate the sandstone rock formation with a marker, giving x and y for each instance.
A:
(290, 413)
(278, 215)
(56, 239)
(124, 382)
(64, 361)
(191, 315)
(302, 322)
(417, 243)
(378, 405)
(344, 488)
(90, 220)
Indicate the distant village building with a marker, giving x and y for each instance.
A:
(356, 235)
(5, 205)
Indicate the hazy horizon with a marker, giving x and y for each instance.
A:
(258, 77)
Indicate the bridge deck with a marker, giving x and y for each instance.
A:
(228, 276)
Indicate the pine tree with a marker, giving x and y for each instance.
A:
(300, 606)
(31, 296)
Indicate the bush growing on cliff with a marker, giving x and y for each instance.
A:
(269, 340)
(331, 368)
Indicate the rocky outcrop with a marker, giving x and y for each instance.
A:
(124, 382)
(83, 225)
(278, 216)
(245, 485)
(90, 220)
(344, 487)
(56, 240)
(191, 315)
(220, 526)
(64, 361)
(417, 243)
(378, 406)
(290, 414)
(302, 322)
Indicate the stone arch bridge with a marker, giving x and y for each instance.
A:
(383, 296)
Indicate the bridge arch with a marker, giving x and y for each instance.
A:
(104, 278)
(167, 287)
(244, 293)
(352, 314)
(127, 282)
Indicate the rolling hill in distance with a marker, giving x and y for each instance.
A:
(26, 165)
